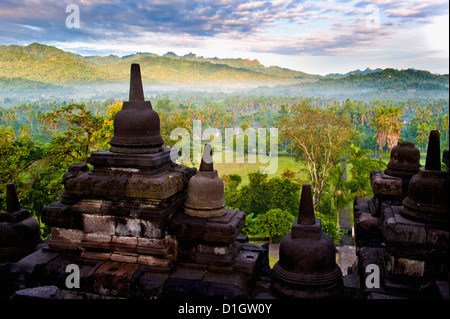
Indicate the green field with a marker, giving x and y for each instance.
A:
(242, 169)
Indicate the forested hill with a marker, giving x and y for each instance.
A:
(40, 67)
(47, 64)
(391, 79)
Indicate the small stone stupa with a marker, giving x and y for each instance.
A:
(19, 231)
(137, 125)
(207, 230)
(205, 196)
(428, 194)
(392, 185)
(307, 266)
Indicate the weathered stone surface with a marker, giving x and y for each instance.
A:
(148, 284)
(79, 186)
(61, 215)
(187, 227)
(247, 262)
(25, 267)
(96, 255)
(116, 185)
(155, 261)
(88, 206)
(225, 228)
(205, 213)
(151, 229)
(119, 208)
(96, 241)
(216, 255)
(361, 203)
(63, 238)
(405, 266)
(149, 164)
(401, 231)
(307, 230)
(124, 257)
(123, 244)
(113, 278)
(386, 185)
(158, 247)
(128, 227)
(40, 293)
(159, 186)
(99, 224)
(25, 232)
(367, 231)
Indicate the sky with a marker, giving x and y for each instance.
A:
(316, 37)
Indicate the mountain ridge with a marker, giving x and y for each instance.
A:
(39, 64)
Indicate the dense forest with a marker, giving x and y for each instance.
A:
(40, 139)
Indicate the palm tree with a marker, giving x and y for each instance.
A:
(423, 131)
(395, 126)
(387, 127)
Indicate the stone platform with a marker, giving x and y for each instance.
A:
(116, 279)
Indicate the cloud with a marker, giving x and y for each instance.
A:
(409, 10)
(285, 27)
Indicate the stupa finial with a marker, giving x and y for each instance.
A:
(306, 210)
(207, 161)
(136, 89)
(433, 161)
(12, 200)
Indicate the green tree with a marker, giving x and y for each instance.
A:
(103, 136)
(73, 129)
(341, 196)
(262, 194)
(253, 197)
(319, 136)
(275, 223)
(17, 154)
(284, 194)
(387, 127)
(249, 226)
(361, 166)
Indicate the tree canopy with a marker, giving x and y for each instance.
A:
(319, 137)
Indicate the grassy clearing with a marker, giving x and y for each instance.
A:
(282, 163)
